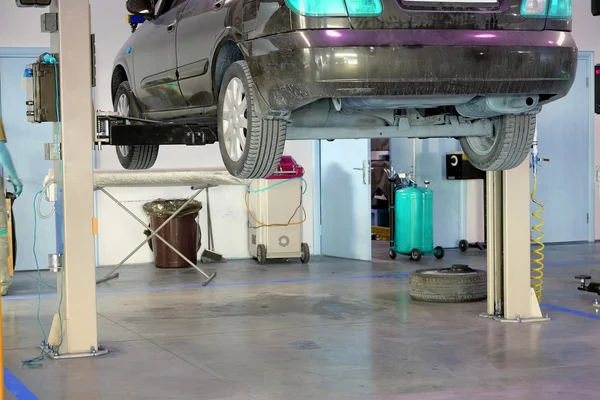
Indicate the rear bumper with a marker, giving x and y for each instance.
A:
(293, 69)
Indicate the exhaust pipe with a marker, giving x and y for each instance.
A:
(492, 106)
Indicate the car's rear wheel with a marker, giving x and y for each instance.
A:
(251, 146)
(507, 149)
(138, 156)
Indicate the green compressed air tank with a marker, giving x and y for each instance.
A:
(414, 220)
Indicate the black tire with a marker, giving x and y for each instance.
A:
(261, 254)
(265, 137)
(510, 146)
(439, 252)
(463, 245)
(440, 287)
(416, 255)
(139, 156)
(305, 257)
(393, 254)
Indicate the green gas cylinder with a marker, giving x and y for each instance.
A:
(413, 220)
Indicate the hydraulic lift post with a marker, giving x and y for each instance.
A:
(510, 295)
(72, 44)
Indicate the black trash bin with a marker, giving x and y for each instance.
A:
(182, 232)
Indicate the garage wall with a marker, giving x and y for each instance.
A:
(119, 233)
(586, 32)
(21, 27)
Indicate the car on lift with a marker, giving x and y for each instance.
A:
(258, 71)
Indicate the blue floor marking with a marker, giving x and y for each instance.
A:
(213, 285)
(569, 311)
(16, 387)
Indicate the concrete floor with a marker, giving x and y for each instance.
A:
(336, 329)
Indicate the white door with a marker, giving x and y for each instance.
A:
(346, 199)
(564, 183)
(26, 145)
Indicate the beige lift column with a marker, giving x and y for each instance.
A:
(510, 296)
(72, 42)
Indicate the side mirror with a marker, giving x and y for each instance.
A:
(595, 7)
(140, 7)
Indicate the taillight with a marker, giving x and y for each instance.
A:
(318, 8)
(547, 8)
(561, 9)
(364, 8)
(336, 8)
(534, 8)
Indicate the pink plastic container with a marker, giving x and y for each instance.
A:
(288, 169)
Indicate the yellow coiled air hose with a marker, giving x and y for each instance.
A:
(537, 269)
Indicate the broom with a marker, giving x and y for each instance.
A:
(209, 255)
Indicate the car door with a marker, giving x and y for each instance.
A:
(200, 27)
(155, 59)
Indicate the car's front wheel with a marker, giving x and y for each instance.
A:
(507, 148)
(138, 156)
(251, 146)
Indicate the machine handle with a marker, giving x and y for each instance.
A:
(218, 4)
(172, 26)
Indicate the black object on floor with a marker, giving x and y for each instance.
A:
(593, 287)
(457, 284)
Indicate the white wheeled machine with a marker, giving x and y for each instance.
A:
(276, 215)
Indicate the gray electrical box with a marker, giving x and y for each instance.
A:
(41, 87)
(49, 22)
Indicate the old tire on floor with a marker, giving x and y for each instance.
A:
(444, 286)
(251, 146)
(139, 156)
(507, 149)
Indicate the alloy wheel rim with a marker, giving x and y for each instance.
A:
(235, 120)
(123, 109)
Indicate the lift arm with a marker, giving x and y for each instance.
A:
(114, 130)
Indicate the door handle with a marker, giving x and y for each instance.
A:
(218, 4)
(366, 170)
(172, 26)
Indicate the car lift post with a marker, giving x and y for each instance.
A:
(510, 296)
(72, 43)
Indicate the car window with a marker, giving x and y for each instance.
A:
(164, 6)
